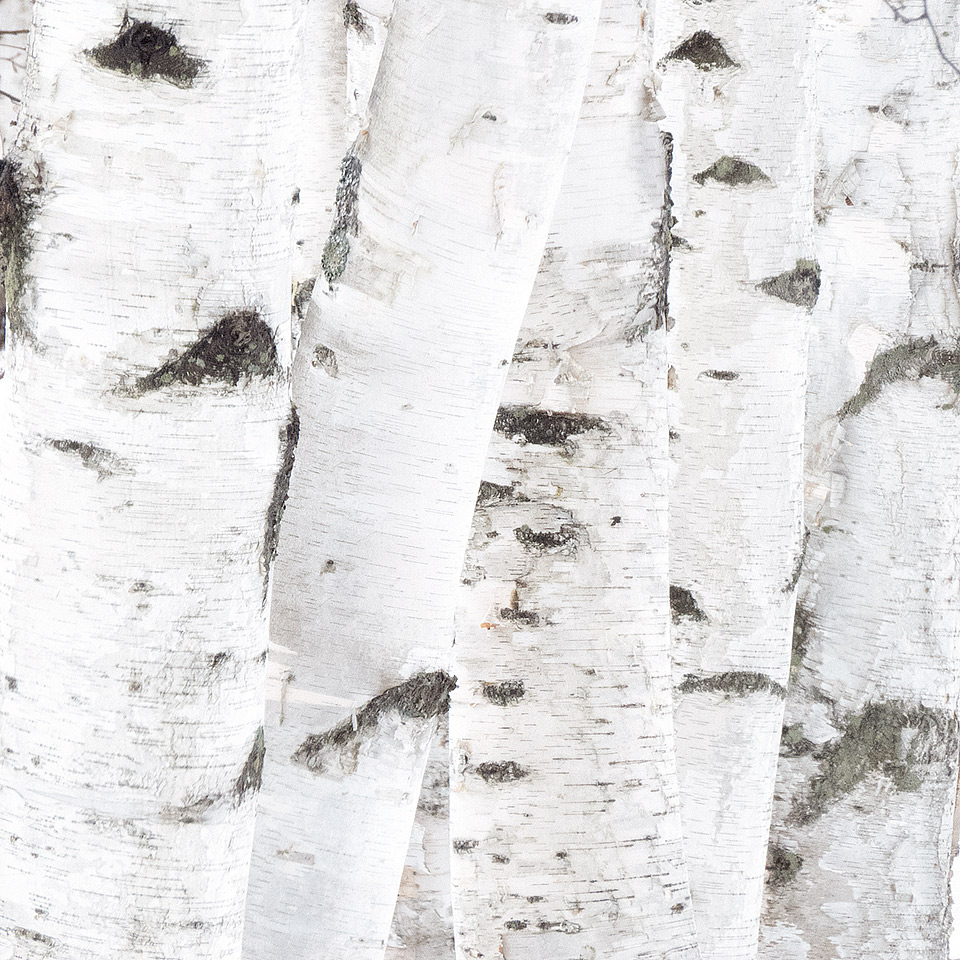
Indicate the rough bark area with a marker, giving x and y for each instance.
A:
(863, 827)
(564, 807)
(145, 225)
(441, 216)
(737, 93)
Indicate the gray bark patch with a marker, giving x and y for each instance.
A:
(683, 605)
(19, 202)
(915, 358)
(549, 541)
(783, 865)
(733, 683)
(289, 436)
(251, 776)
(794, 577)
(421, 698)
(801, 285)
(302, 292)
(560, 926)
(326, 360)
(193, 812)
(503, 771)
(353, 18)
(505, 692)
(465, 846)
(802, 624)
(544, 427)
(562, 19)
(732, 172)
(889, 737)
(146, 52)
(793, 743)
(516, 924)
(727, 375)
(493, 493)
(346, 222)
(240, 346)
(704, 51)
(91, 456)
(33, 936)
(526, 618)
(11, 683)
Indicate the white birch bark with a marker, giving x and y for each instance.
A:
(146, 232)
(564, 808)
(15, 16)
(366, 23)
(737, 93)
(863, 830)
(442, 212)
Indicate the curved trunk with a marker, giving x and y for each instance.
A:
(441, 217)
(145, 228)
(737, 93)
(863, 828)
(564, 807)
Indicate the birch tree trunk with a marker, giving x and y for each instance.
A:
(564, 808)
(15, 16)
(737, 93)
(442, 213)
(863, 830)
(145, 216)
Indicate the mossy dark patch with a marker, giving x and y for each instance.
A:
(492, 493)
(727, 375)
(146, 51)
(801, 285)
(422, 697)
(353, 18)
(802, 623)
(548, 541)
(733, 683)
(19, 202)
(240, 346)
(302, 292)
(91, 456)
(33, 936)
(346, 222)
(733, 172)
(915, 358)
(251, 776)
(704, 51)
(782, 865)
(516, 924)
(683, 606)
(793, 743)
(562, 19)
(503, 771)
(544, 427)
(505, 692)
(888, 737)
(289, 436)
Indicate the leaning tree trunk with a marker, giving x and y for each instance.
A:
(564, 807)
(863, 833)
(442, 213)
(145, 215)
(737, 92)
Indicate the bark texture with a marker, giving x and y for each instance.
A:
(738, 96)
(143, 420)
(441, 216)
(863, 831)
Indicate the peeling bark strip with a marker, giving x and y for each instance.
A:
(733, 682)
(801, 285)
(91, 456)
(346, 223)
(704, 51)
(505, 692)
(544, 427)
(891, 738)
(239, 346)
(683, 605)
(422, 697)
(289, 435)
(146, 51)
(18, 205)
(733, 172)
(915, 358)
(252, 774)
(782, 865)
(502, 771)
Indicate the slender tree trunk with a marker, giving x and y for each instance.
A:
(145, 216)
(442, 213)
(867, 781)
(737, 93)
(564, 807)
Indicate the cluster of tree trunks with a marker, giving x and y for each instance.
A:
(479, 480)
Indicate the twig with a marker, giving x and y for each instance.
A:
(898, 15)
